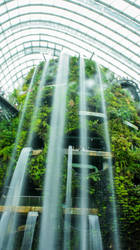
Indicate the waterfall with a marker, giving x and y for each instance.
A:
(95, 239)
(87, 226)
(12, 201)
(29, 231)
(50, 215)
(24, 110)
(115, 232)
(16, 185)
(83, 158)
(37, 103)
(67, 219)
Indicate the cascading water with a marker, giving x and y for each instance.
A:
(12, 201)
(37, 103)
(67, 219)
(12, 160)
(29, 231)
(115, 232)
(50, 221)
(95, 239)
(83, 158)
(50, 215)
(13, 198)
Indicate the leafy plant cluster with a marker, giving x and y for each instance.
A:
(125, 141)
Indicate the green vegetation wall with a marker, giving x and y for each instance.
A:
(125, 141)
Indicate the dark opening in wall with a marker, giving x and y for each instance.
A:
(37, 142)
(95, 142)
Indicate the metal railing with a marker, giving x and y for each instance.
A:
(25, 200)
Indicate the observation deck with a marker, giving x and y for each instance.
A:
(27, 209)
(81, 151)
(103, 154)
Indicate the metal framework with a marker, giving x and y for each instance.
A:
(7, 111)
(107, 31)
(133, 88)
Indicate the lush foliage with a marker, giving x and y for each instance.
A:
(126, 150)
(7, 138)
(125, 141)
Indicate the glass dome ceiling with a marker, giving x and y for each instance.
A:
(107, 30)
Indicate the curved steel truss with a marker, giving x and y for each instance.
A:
(7, 111)
(132, 86)
(32, 29)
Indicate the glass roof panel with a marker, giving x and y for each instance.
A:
(110, 29)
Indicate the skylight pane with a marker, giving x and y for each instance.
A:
(78, 26)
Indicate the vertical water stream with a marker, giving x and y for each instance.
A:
(12, 201)
(29, 231)
(17, 182)
(51, 205)
(50, 221)
(37, 103)
(95, 239)
(68, 202)
(24, 110)
(115, 229)
(83, 158)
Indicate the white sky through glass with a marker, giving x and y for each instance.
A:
(31, 29)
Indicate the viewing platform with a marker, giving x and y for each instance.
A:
(94, 114)
(27, 209)
(80, 211)
(21, 209)
(103, 154)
